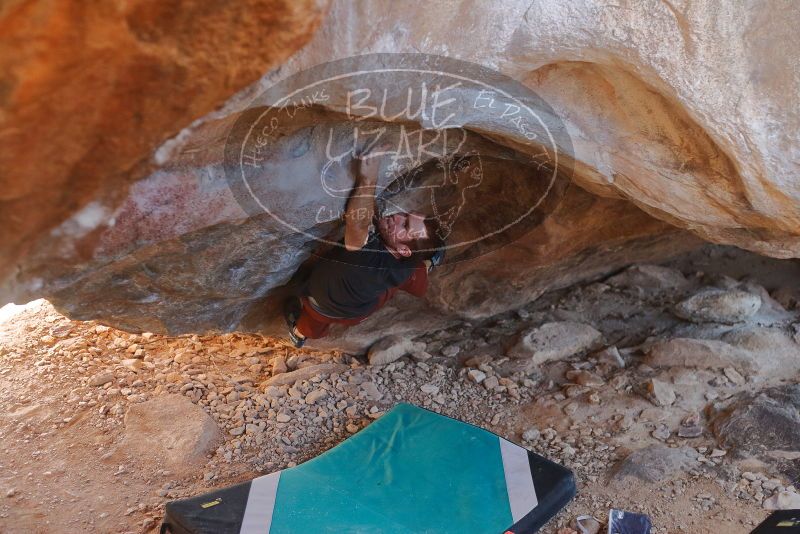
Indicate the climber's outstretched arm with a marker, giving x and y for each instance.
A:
(361, 204)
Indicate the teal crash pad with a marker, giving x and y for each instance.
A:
(412, 470)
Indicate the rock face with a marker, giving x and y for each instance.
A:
(173, 428)
(119, 80)
(150, 237)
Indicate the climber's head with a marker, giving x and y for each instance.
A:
(410, 235)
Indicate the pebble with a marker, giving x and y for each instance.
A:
(532, 434)
(611, 356)
(274, 392)
(660, 393)
(585, 378)
(101, 379)
(371, 392)
(451, 351)
(279, 365)
(734, 376)
(690, 431)
(430, 389)
(588, 525)
(661, 432)
(477, 375)
(316, 396)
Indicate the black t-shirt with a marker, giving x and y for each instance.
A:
(348, 284)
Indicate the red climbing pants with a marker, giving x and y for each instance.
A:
(314, 325)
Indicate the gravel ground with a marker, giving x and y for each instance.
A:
(66, 387)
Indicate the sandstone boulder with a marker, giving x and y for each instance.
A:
(554, 341)
(172, 429)
(765, 422)
(650, 277)
(653, 464)
(769, 340)
(783, 500)
(719, 306)
(700, 354)
(119, 79)
(120, 225)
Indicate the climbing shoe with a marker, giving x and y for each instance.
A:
(296, 340)
(291, 313)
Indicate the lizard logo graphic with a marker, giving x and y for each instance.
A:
(463, 144)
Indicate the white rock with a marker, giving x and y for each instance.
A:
(279, 365)
(274, 392)
(172, 429)
(660, 393)
(611, 356)
(430, 389)
(699, 354)
(392, 348)
(719, 306)
(782, 500)
(649, 276)
(316, 395)
(451, 350)
(420, 355)
(101, 378)
(371, 392)
(532, 434)
(491, 382)
(588, 525)
(554, 341)
(476, 375)
(734, 376)
(305, 373)
(584, 378)
(654, 464)
(133, 364)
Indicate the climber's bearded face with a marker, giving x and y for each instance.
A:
(400, 230)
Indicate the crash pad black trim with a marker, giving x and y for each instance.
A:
(222, 511)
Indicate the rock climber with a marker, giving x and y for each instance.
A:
(378, 256)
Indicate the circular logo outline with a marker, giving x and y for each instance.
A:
(281, 102)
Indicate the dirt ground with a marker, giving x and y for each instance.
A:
(64, 467)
